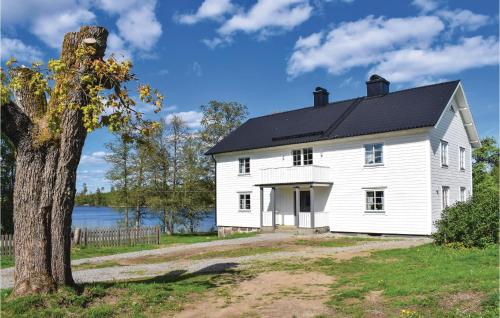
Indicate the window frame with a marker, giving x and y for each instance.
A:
(443, 153)
(243, 166)
(373, 152)
(297, 157)
(445, 199)
(309, 160)
(244, 202)
(461, 158)
(374, 203)
(463, 194)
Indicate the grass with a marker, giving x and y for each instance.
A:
(423, 281)
(243, 251)
(415, 282)
(165, 240)
(334, 242)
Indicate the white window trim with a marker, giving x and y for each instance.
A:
(464, 199)
(239, 199)
(383, 189)
(374, 164)
(302, 157)
(447, 197)
(249, 167)
(444, 164)
(461, 161)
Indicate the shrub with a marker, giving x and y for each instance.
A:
(472, 223)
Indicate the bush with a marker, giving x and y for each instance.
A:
(473, 223)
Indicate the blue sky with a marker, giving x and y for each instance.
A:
(270, 54)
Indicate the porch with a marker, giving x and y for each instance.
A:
(294, 197)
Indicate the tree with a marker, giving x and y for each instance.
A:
(219, 120)
(120, 158)
(159, 167)
(138, 178)
(485, 170)
(196, 194)
(48, 137)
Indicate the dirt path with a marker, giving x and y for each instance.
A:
(218, 264)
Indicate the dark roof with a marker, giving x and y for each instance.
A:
(400, 110)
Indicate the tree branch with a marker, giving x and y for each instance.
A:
(16, 125)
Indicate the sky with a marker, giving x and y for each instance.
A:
(270, 54)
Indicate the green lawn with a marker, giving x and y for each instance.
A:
(165, 240)
(425, 281)
(334, 242)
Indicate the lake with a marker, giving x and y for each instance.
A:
(96, 217)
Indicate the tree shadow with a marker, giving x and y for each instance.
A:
(177, 276)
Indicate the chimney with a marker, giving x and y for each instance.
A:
(377, 86)
(320, 97)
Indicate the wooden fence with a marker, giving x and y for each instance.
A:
(98, 237)
(6, 245)
(118, 236)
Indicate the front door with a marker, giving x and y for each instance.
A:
(305, 202)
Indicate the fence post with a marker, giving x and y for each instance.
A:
(157, 235)
(85, 237)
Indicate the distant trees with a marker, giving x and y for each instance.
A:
(167, 172)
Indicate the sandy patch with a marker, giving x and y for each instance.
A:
(466, 301)
(345, 256)
(270, 294)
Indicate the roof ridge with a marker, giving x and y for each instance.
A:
(307, 107)
(351, 99)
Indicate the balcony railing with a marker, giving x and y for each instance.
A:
(296, 174)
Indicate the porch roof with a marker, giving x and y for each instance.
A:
(313, 184)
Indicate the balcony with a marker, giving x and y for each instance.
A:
(295, 175)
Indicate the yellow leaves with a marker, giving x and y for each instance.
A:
(10, 62)
(56, 66)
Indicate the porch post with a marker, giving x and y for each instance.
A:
(297, 206)
(274, 207)
(261, 205)
(311, 191)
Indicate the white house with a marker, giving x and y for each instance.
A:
(387, 162)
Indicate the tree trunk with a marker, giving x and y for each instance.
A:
(32, 218)
(72, 139)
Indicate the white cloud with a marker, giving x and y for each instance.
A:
(361, 43)
(95, 157)
(426, 5)
(415, 65)
(196, 69)
(117, 47)
(138, 29)
(209, 9)
(191, 118)
(139, 26)
(22, 52)
(265, 18)
(52, 27)
(465, 20)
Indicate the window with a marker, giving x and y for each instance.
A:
(307, 153)
(463, 196)
(445, 197)
(244, 165)
(444, 153)
(244, 201)
(297, 158)
(373, 154)
(462, 158)
(374, 201)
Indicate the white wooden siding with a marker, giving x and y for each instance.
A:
(450, 128)
(405, 176)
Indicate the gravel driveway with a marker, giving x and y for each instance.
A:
(213, 264)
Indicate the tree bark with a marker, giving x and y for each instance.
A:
(72, 140)
(32, 201)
